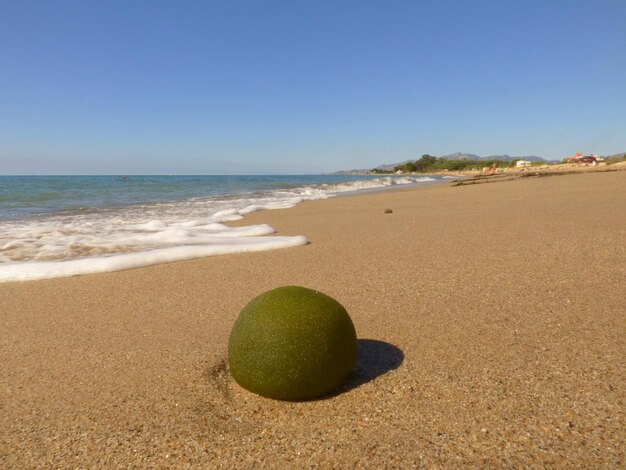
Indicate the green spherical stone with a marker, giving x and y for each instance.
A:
(292, 343)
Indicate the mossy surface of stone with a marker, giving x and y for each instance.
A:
(292, 343)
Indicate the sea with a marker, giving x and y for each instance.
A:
(56, 226)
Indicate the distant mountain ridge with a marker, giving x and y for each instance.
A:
(618, 155)
(467, 156)
(462, 156)
(504, 157)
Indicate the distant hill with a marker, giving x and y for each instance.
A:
(617, 155)
(391, 166)
(461, 156)
(452, 156)
(505, 157)
(467, 156)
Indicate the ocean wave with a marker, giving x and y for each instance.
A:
(109, 239)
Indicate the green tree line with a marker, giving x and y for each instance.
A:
(428, 163)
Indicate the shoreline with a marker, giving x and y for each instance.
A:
(45, 248)
(490, 318)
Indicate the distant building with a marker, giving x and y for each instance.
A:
(523, 163)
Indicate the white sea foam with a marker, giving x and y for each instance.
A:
(31, 270)
(375, 183)
(141, 235)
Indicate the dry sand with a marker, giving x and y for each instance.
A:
(492, 324)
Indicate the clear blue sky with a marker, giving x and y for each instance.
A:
(184, 87)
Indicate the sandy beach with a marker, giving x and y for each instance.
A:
(491, 321)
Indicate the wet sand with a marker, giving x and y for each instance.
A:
(491, 318)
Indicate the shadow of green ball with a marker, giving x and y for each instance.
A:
(292, 343)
